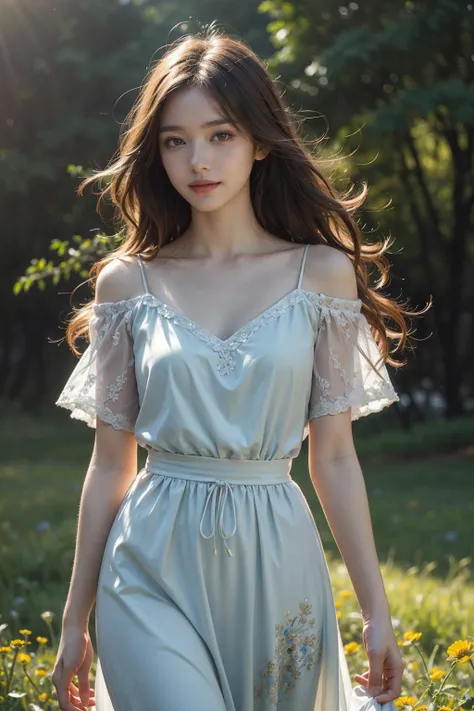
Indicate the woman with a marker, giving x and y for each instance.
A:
(234, 320)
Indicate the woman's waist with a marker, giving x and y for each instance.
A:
(234, 471)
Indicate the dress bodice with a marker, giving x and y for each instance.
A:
(181, 389)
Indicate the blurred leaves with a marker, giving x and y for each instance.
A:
(396, 79)
(79, 257)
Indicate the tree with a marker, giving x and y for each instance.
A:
(70, 73)
(402, 71)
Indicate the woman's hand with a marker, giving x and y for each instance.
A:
(384, 677)
(75, 655)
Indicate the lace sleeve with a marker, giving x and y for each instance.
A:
(103, 382)
(348, 370)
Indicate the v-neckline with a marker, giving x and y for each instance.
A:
(209, 336)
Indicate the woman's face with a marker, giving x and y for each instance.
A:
(197, 142)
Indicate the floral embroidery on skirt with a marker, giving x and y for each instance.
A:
(295, 649)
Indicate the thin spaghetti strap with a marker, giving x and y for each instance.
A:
(303, 262)
(142, 272)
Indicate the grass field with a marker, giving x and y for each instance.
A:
(420, 487)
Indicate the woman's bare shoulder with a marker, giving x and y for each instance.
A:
(330, 271)
(119, 280)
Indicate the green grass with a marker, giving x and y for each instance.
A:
(420, 489)
(422, 510)
(422, 504)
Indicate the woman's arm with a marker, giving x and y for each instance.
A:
(112, 468)
(90, 390)
(339, 483)
(332, 460)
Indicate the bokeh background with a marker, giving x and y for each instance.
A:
(386, 88)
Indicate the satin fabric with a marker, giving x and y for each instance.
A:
(214, 593)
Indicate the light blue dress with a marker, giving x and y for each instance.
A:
(214, 592)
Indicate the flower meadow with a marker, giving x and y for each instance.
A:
(431, 619)
(419, 485)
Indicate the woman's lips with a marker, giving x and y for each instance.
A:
(202, 189)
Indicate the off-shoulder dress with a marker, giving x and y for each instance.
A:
(214, 592)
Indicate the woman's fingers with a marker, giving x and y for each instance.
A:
(62, 680)
(392, 686)
(67, 701)
(83, 675)
(91, 694)
(376, 668)
(362, 678)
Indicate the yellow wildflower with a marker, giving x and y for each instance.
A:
(18, 643)
(338, 614)
(41, 672)
(351, 648)
(436, 673)
(411, 636)
(43, 696)
(25, 631)
(345, 594)
(403, 701)
(42, 640)
(337, 603)
(23, 657)
(461, 650)
(5, 650)
(421, 708)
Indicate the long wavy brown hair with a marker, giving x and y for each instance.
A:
(290, 196)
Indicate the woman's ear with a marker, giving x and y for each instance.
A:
(261, 153)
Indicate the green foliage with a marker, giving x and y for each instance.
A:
(78, 258)
(77, 255)
(428, 617)
(397, 79)
(414, 102)
(424, 439)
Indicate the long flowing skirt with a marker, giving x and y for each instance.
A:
(214, 595)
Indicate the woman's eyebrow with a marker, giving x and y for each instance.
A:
(175, 127)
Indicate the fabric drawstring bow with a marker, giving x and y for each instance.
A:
(217, 496)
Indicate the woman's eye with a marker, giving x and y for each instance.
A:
(167, 142)
(223, 133)
(223, 136)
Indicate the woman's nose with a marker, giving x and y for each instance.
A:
(199, 161)
(198, 166)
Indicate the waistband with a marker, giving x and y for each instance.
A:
(235, 471)
(222, 474)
